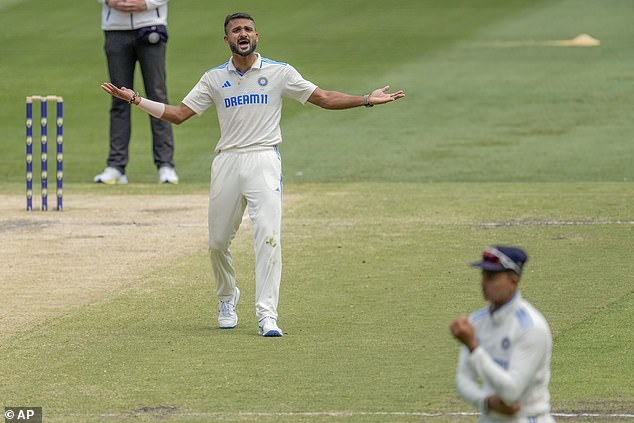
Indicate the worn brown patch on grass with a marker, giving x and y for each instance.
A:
(53, 261)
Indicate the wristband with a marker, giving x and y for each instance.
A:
(154, 108)
(134, 96)
(366, 101)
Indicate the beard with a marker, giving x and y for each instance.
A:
(235, 48)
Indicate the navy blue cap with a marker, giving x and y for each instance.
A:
(499, 258)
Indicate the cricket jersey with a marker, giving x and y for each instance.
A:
(249, 105)
(512, 361)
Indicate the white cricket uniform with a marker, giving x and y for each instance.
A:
(247, 169)
(512, 361)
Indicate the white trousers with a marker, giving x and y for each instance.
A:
(247, 178)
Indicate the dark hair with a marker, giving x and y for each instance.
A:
(239, 15)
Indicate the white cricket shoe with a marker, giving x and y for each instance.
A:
(227, 315)
(268, 327)
(111, 176)
(167, 175)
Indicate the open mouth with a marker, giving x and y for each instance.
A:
(244, 43)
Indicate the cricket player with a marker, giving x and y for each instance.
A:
(504, 364)
(247, 92)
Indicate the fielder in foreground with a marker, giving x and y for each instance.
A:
(504, 364)
(247, 92)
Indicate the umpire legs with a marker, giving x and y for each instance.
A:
(152, 61)
(119, 47)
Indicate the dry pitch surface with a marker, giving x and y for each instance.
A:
(53, 262)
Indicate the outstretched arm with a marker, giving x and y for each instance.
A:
(338, 100)
(173, 114)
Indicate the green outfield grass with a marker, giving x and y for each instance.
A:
(367, 297)
(472, 108)
(529, 145)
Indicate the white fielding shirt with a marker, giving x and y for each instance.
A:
(249, 105)
(512, 361)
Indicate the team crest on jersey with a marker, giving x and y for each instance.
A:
(263, 81)
(506, 343)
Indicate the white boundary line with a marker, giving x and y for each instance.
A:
(167, 414)
(556, 223)
(616, 415)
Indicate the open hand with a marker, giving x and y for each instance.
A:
(380, 96)
(122, 93)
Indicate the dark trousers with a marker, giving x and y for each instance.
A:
(123, 50)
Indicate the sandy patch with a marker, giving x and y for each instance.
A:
(52, 262)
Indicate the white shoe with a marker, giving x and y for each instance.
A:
(111, 176)
(167, 175)
(268, 327)
(227, 315)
